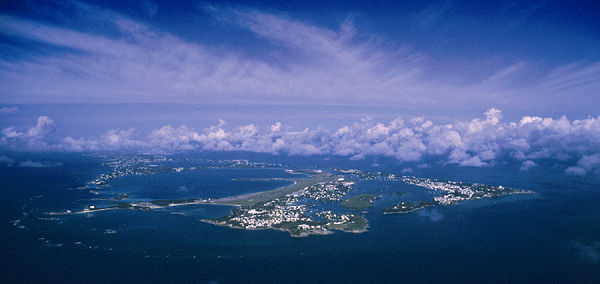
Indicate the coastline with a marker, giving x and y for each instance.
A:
(304, 234)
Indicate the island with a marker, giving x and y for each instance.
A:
(359, 202)
(125, 165)
(456, 192)
(142, 205)
(314, 203)
(405, 207)
(287, 208)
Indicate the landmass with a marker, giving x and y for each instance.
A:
(405, 207)
(456, 192)
(359, 202)
(287, 208)
(300, 208)
(124, 165)
(143, 205)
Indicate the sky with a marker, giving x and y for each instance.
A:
(523, 56)
(472, 83)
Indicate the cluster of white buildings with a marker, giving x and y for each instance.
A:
(128, 166)
(266, 218)
(330, 191)
(336, 219)
(241, 164)
(457, 191)
(289, 211)
(145, 205)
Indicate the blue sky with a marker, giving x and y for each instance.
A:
(524, 56)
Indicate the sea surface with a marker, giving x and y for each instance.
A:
(552, 235)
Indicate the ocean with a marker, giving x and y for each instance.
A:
(552, 235)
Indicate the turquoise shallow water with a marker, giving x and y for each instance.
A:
(550, 236)
(213, 183)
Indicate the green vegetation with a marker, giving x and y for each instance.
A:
(145, 205)
(301, 229)
(406, 207)
(121, 196)
(356, 224)
(359, 202)
(167, 202)
(250, 200)
(283, 208)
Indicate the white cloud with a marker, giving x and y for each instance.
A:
(575, 170)
(528, 165)
(474, 143)
(33, 138)
(473, 162)
(44, 126)
(587, 164)
(9, 109)
(10, 132)
(32, 164)
(276, 127)
(6, 160)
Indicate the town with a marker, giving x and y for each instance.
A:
(295, 213)
(455, 192)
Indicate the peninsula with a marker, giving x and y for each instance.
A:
(287, 208)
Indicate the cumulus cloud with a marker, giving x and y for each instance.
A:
(32, 164)
(6, 160)
(276, 127)
(587, 164)
(475, 143)
(33, 138)
(528, 165)
(576, 171)
(44, 126)
(473, 162)
(9, 109)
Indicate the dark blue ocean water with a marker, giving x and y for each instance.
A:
(550, 236)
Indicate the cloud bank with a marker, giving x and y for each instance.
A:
(479, 142)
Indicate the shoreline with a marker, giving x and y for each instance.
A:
(304, 234)
(131, 207)
(225, 200)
